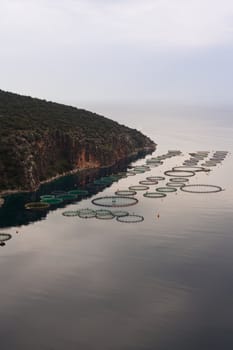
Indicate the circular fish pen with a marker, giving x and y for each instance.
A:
(189, 168)
(179, 173)
(130, 219)
(67, 197)
(125, 193)
(148, 182)
(37, 206)
(131, 173)
(118, 213)
(166, 189)
(155, 178)
(178, 179)
(175, 184)
(5, 237)
(139, 188)
(201, 188)
(154, 195)
(70, 213)
(52, 201)
(104, 214)
(86, 213)
(47, 196)
(115, 201)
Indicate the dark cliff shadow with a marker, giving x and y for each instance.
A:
(13, 212)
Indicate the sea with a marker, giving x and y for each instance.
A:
(163, 283)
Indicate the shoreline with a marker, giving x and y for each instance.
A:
(72, 172)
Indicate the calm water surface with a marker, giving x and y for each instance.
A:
(165, 283)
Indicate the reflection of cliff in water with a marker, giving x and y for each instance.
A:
(13, 212)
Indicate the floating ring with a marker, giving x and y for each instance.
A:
(201, 188)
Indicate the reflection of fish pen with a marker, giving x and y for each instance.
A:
(115, 201)
(201, 188)
(37, 206)
(130, 219)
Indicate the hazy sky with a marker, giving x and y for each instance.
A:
(83, 51)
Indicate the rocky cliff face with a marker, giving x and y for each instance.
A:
(40, 140)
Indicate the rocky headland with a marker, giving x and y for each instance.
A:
(42, 140)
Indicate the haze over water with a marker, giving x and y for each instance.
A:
(165, 283)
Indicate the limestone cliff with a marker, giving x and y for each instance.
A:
(40, 140)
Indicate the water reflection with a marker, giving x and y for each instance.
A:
(13, 212)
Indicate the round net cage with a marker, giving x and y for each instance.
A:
(155, 178)
(154, 195)
(154, 162)
(189, 168)
(67, 197)
(118, 213)
(179, 173)
(79, 192)
(37, 206)
(131, 173)
(70, 213)
(137, 171)
(115, 201)
(114, 177)
(201, 188)
(86, 213)
(122, 175)
(104, 214)
(148, 182)
(107, 180)
(5, 237)
(175, 184)
(166, 189)
(52, 201)
(47, 196)
(142, 167)
(130, 219)
(179, 179)
(125, 193)
(139, 188)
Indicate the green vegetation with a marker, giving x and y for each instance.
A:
(40, 139)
